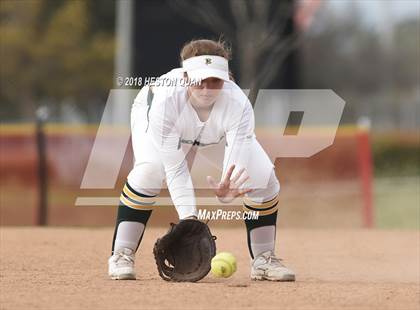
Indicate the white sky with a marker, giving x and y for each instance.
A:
(378, 15)
(375, 11)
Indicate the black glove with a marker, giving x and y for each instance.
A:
(184, 254)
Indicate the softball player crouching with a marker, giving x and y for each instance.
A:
(168, 124)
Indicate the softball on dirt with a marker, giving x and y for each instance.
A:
(223, 265)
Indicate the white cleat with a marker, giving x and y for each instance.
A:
(121, 265)
(268, 267)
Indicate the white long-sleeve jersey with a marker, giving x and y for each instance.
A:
(174, 127)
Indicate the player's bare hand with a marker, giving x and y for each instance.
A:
(230, 187)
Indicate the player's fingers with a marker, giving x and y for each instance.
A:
(226, 180)
(238, 175)
(244, 191)
(224, 186)
(241, 182)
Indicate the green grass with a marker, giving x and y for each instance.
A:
(397, 202)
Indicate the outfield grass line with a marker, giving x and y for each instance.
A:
(408, 183)
(397, 202)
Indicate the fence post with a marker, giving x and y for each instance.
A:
(42, 214)
(366, 171)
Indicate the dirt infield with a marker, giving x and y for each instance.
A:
(65, 268)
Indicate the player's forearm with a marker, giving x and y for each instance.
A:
(181, 190)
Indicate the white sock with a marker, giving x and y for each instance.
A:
(262, 239)
(128, 235)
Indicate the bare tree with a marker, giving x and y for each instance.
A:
(257, 28)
